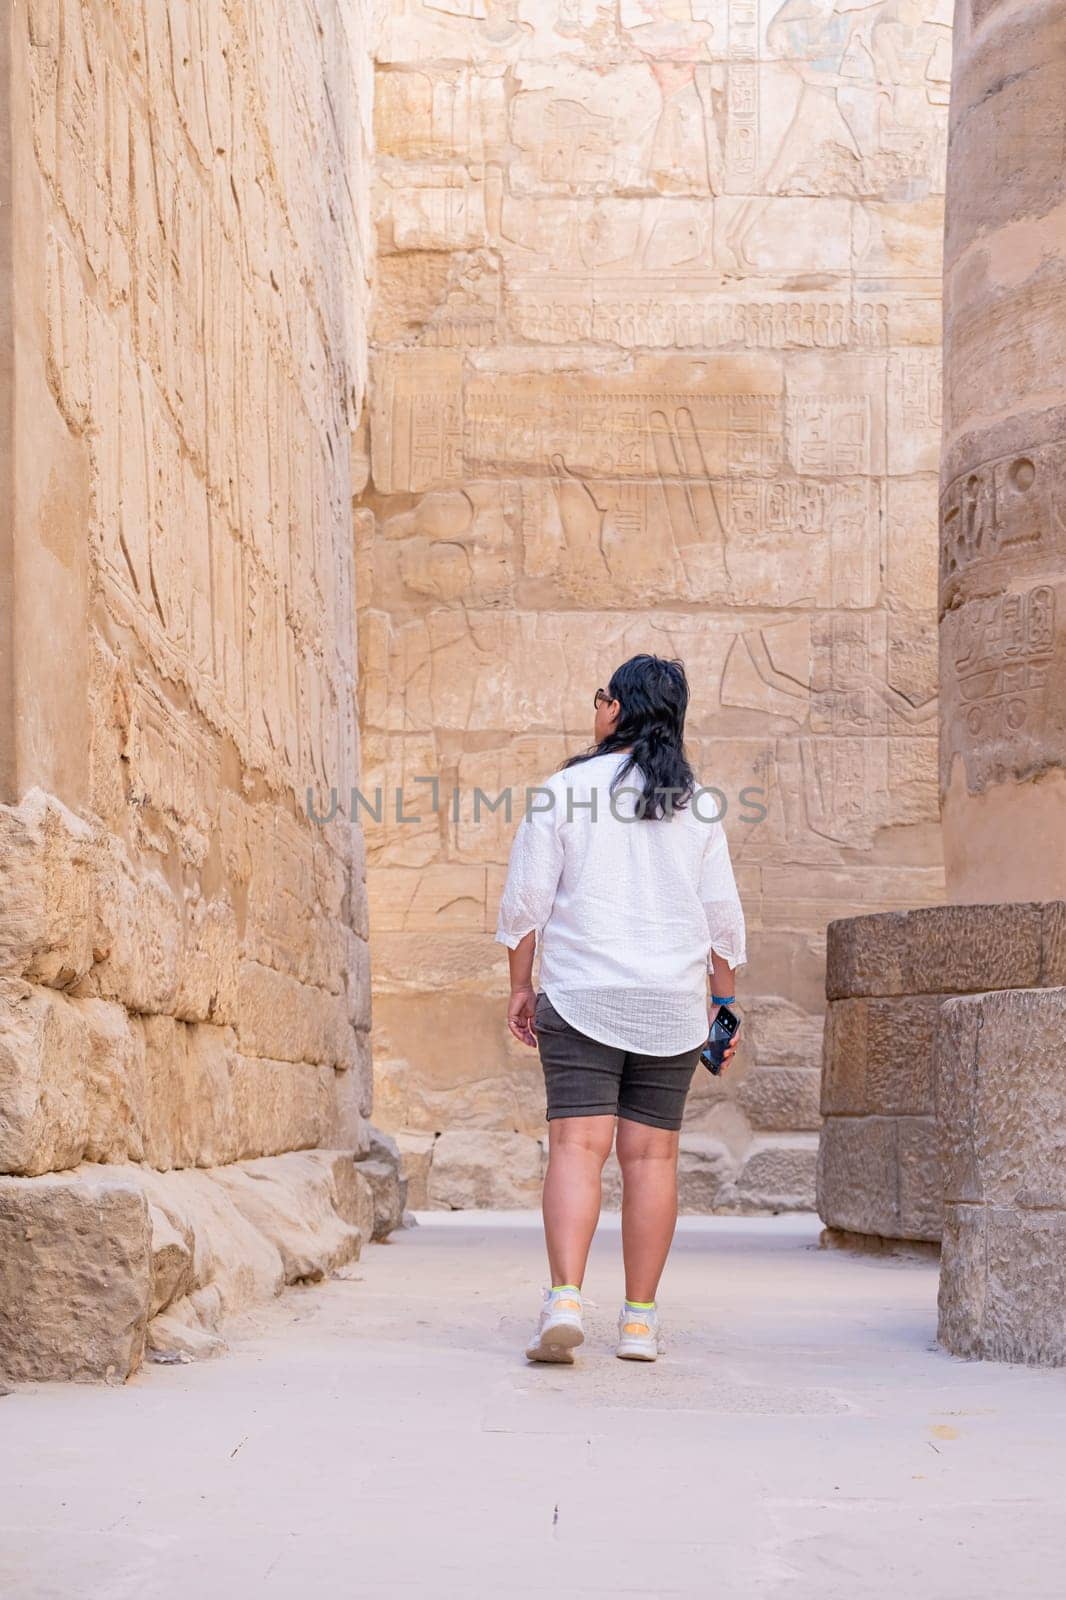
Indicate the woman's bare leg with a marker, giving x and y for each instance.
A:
(577, 1149)
(648, 1158)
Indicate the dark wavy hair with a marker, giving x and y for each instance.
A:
(653, 697)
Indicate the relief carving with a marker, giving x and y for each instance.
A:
(1004, 510)
(693, 365)
(194, 225)
(1003, 651)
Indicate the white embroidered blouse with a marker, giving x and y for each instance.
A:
(627, 909)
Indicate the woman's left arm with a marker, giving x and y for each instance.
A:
(721, 906)
(725, 921)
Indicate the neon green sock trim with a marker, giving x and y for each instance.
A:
(557, 1288)
(640, 1305)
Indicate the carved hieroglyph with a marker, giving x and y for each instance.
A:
(183, 962)
(655, 367)
(1003, 503)
(1003, 686)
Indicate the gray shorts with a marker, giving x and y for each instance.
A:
(585, 1078)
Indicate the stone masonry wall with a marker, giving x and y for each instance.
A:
(655, 367)
(893, 1070)
(183, 954)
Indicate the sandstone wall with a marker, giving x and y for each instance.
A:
(655, 367)
(183, 952)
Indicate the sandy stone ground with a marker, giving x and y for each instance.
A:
(383, 1435)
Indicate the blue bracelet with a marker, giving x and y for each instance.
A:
(723, 1000)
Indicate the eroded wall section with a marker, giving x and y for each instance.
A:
(655, 367)
(183, 951)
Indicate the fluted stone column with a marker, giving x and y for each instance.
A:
(972, 994)
(1003, 467)
(1000, 1075)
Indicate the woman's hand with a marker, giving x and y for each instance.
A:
(520, 1014)
(723, 981)
(712, 1012)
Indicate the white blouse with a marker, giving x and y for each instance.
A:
(627, 910)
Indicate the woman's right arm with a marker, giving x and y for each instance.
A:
(523, 1000)
(534, 868)
(533, 871)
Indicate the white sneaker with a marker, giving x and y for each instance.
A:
(559, 1331)
(638, 1335)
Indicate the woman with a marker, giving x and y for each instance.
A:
(622, 871)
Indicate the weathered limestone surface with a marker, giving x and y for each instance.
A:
(185, 237)
(655, 366)
(887, 978)
(489, 1170)
(75, 1274)
(382, 1172)
(103, 1261)
(1003, 552)
(479, 1168)
(947, 950)
(1001, 1111)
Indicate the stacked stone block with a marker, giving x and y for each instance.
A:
(881, 1172)
(1002, 1103)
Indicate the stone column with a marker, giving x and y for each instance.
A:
(974, 991)
(1000, 1083)
(1003, 469)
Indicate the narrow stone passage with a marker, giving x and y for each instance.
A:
(382, 1435)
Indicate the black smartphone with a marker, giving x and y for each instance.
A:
(723, 1030)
